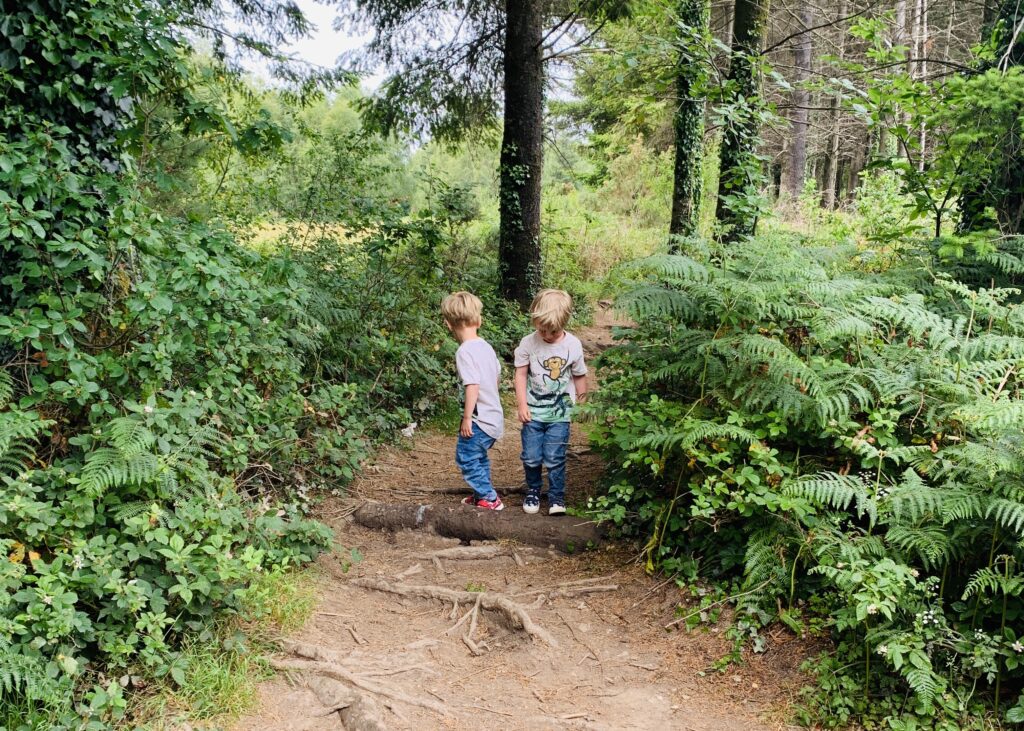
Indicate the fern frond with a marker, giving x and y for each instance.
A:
(834, 490)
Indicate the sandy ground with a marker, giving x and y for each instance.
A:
(614, 666)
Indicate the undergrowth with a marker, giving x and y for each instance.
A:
(843, 439)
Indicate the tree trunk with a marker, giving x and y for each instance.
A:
(921, 52)
(688, 122)
(832, 172)
(739, 167)
(861, 150)
(522, 151)
(801, 101)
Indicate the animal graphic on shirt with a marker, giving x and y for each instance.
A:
(555, 364)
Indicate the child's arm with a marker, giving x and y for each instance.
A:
(580, 384)
(472, 394)
(579, 376)
(521, 406)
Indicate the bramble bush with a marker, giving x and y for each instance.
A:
(843, 443)
(170, 400)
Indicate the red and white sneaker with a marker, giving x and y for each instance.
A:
(494, 504)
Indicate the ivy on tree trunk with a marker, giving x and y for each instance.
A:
(688, 121)
(740, 169)
(519, 257)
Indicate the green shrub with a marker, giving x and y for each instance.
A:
(823, 432)
(170, 401)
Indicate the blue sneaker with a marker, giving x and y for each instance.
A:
(556, 509)
(531, 504)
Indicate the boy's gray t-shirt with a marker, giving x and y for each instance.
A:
(478, 364)
(550, 391)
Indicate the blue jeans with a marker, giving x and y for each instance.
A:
(545, 444)
(471, 457)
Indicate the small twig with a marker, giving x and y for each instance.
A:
(414, 569)
(355, 635)
(396, 671)
(572, 630)
(491, 710)
(641, 600)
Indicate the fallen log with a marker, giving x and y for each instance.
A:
(566, 533)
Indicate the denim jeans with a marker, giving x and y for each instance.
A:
(545, 444)
(471, 457)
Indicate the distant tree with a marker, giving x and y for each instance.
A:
(688, 119)
(739, 166)
(455, 64)
(799, 117)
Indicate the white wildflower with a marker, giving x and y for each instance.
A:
(266, 320)
(48, 600)
(148, 409)
(872, 609)
(883, 650)
(915, 573)
(1017, 647)
(78, 561)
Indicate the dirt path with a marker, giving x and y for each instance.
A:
(607, 661)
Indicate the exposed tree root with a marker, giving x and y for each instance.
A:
(569, 591)
(567, 534)
(515, 613)
(358, 711)
(326, 664)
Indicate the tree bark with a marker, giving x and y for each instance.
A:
(797, 171)
(739, 167)
(522, 151)
(688, 123)
(921, 46)
(828, 197)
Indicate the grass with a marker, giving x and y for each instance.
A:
(21, 715)
(223, 665)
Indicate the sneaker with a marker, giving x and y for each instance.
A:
(531, 504)
(556, 509)
(494, 504)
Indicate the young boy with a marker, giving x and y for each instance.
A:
(482, 418)
(550, 378)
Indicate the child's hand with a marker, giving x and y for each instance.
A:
(466, 429)
(524, 414)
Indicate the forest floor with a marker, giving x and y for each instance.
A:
(597, 656)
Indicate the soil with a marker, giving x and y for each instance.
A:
(602, 659)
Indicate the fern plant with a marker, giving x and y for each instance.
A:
(832, 431)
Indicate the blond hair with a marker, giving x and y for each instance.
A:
(460, 309)
(551, 309)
